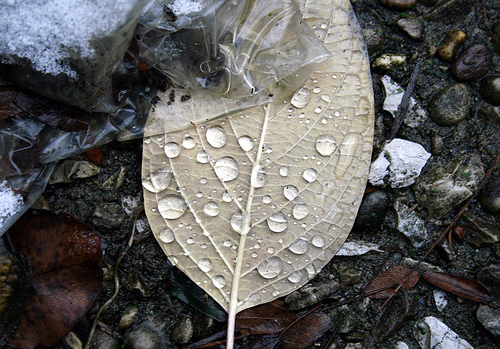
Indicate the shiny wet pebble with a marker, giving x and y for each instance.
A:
(490, 89)
(472, 64)
(450, 105)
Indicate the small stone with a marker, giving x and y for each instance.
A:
(399, 164)
(143, 337)
(449, 46)
(443, 188)
(473, 64)
(311, 294)
(115, 181)
(131, 203)
(105, 341)
(354, 346)
(440, 299)
(358, 248)
(348, 277)
(432, 333)
(374, 37)
(422, 266)
(490, 89)
(73, 341)
(411, 26)
(450, 105)
(495, 37)
(133, 282)
(409, 223)
(183, 330)
(402, 345)
(388, 61)
(128, 317)
(372, 210)
(108, 216)
(437, 145)
(397, 313)
(480, 233)
(490, 114)
(489, 318)
(488, 277)
(398, 4)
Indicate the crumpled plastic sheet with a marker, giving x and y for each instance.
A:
(246, 51)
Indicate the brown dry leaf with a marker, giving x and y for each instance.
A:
(265, 319)
(65, 257)
(459, 286)
(94, 155)
(15, 102)
(305, 331)
(388, 281)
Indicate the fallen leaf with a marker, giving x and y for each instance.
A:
(389, 280)
(305, 332)
(94, 155)
(15, 102)
(265, 319)
(66, 260)
(459, 286)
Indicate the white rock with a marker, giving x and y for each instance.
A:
(401, 345)
(409, 223)
(415, 114)
(440, 299)
(358, 248)
(431, 333)
(399, 162)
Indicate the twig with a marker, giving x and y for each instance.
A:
(405, 102)
(486, 19)
(115, 277)
(451, 225)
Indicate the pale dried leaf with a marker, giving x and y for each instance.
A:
(258, 237)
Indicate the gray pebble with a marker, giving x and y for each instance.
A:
(437, 145)
(490, 195)
(143, 338)
(102, 340)
(310, 295)
(490, 114)
(108, 216)
(489, 276)
(115, 181)
(374, 37)
(372, 210)
(183, 330)
(480, 232)
(490, 89)
(450, 105)
(411, 26)
(490, 319)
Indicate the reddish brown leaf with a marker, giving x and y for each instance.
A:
(265, 319)
(65, 257)
(15, 102)
(388, 281)
(305, 332)
(94, 155)
(460, 286)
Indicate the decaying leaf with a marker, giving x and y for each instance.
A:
(271, 318)
(459, 286)
(388, 281)
(94, 155)
(253, 204)
(65, 256)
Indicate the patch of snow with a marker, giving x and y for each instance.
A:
(10, 203)
(184, 7)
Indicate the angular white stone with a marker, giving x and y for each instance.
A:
(431, 333)
(400, 161)
(440, 299)
(409, 223)
(357, 248)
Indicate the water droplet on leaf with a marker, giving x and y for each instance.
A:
(299, 246)
(296, 276)
(172, 150)
(270, 268)
(205, 265)
(277, 222)
(318, 241)
(211, 209)
(216, 136)
(301, 98)
(226, 168)
(300, 211)
(172, 206)
(310, 174)
(290, 192)
(246, 143)
(202, 157)
(219, 281)
(167, 235)
(325, 145)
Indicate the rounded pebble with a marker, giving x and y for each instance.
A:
(411, 26)
(142, 338)
(490, 89)
(490, 196)
(399, 4)
(108, 216)
(450, 105)
(490, 114)
(472, 64)
(449, 46)
(437, 145)
(183, 330)
(372, 211)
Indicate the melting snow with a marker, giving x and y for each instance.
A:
(10, 203)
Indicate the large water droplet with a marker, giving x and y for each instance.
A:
(226, 168)
(258, 178)
(167, 235)
(205, 265)
(277, 222)
(237, 221)
(172, 150)
(310, 174)
(296, 276)
(211, 209)
(290, 192)
(172, 206)
(158, 181)
(202, 157)
(216, 136)
(270, 268)
(246, 143)
(318, 241)
(219, 281)
(325, 145)
(311, 270)
(300, 211)
(301, 98)
(188, 143)
(284, 171)
(227, 197)
(299, 246)
(266, 199)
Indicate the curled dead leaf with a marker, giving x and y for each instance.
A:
(385, 284)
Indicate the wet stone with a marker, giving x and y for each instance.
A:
(374, 36)
(495, 37)
(430, 332)
(398, 4)
(105, 341)
(489, 318)
(411, 26)
(133, 282)
(440, 299)
(348, 277)
(490, 114)
(143, 337)
(388, 61)
(490, 89)
(450, 105)
(115, 181)
(437, 145)
(183, 330)
(409, 223)
(108, 216)
(352, 321)
(372, 210)
(128, 317)
(489, 276)
(480, 233)
(490, 195)
(358, 248)
(451, 43)
(73, 341)
(311, 294)
(473, 64)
